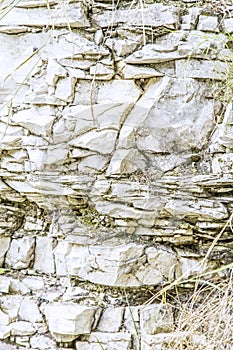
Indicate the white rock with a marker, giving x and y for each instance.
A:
(108, 341)
(63, 16)
(93, 164)
(68, 320)
(5, 332)
(7, 346)
(207, 209)
(122, 47)
(54, 71)
(136, 72)
(156, 318)
(155, 15)
(101, 71)
(4, 319)
(189, 21)
(42, 342)
(22, 328)
(228, 25)
(5, 283)
(29, 311)
(118, 91)
(35, 283)
(65, 89)
(4, 246)
(126, 161)
(161, 121)
(44, 255)
(132, 318)
(18, 287)
(190, 267)
(208, 24)
(102, 141)
(37, 119)
(10, 305)
(111, 320)
(20, 254)
(202, 69)
(222, 163)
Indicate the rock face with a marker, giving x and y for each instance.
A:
(116, 153)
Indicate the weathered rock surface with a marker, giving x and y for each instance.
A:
(116, 154)
(67, 321)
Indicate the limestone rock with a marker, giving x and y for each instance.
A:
(202, 69)
(10, 305)
(72, 15)
(207, 209)
(4, 319)
(44, 255)
(22, 328)
(228, 25)
(5, 332)
(108, 341)
(208, 24)
(37, 120)
(93, 164)
(156, 319)
(111, 320)
(5, 283)
(43, 342)
(65, 89)
(4, 246)
(155, 15)
(136, 72)
(29, 311)
(20, 254)
(66, 321)
(115, 266)
(102, 141)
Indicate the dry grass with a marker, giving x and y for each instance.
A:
(205, 321)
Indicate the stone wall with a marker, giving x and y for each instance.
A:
(116, 166)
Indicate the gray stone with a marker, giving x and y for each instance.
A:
(66, 321)
(5, 332)
(44, 255)
(72, 15)
(43, 342)
(37, 120)
(123, 265)
(206, 209)
(136, 72)
(29, 311)
(122, 47)
(92, 164)
(202, 69)
(65, 89)
(5, 283)
(4, 246)
(208, 24)
(156, 318)
(111, 320)
(102, 141)
(155, 15)
(10, 305)
(35, 283)
(22, 328)
(190, 20)
(228, 25)
(108, 341)
(21, 252)
(4, 319)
